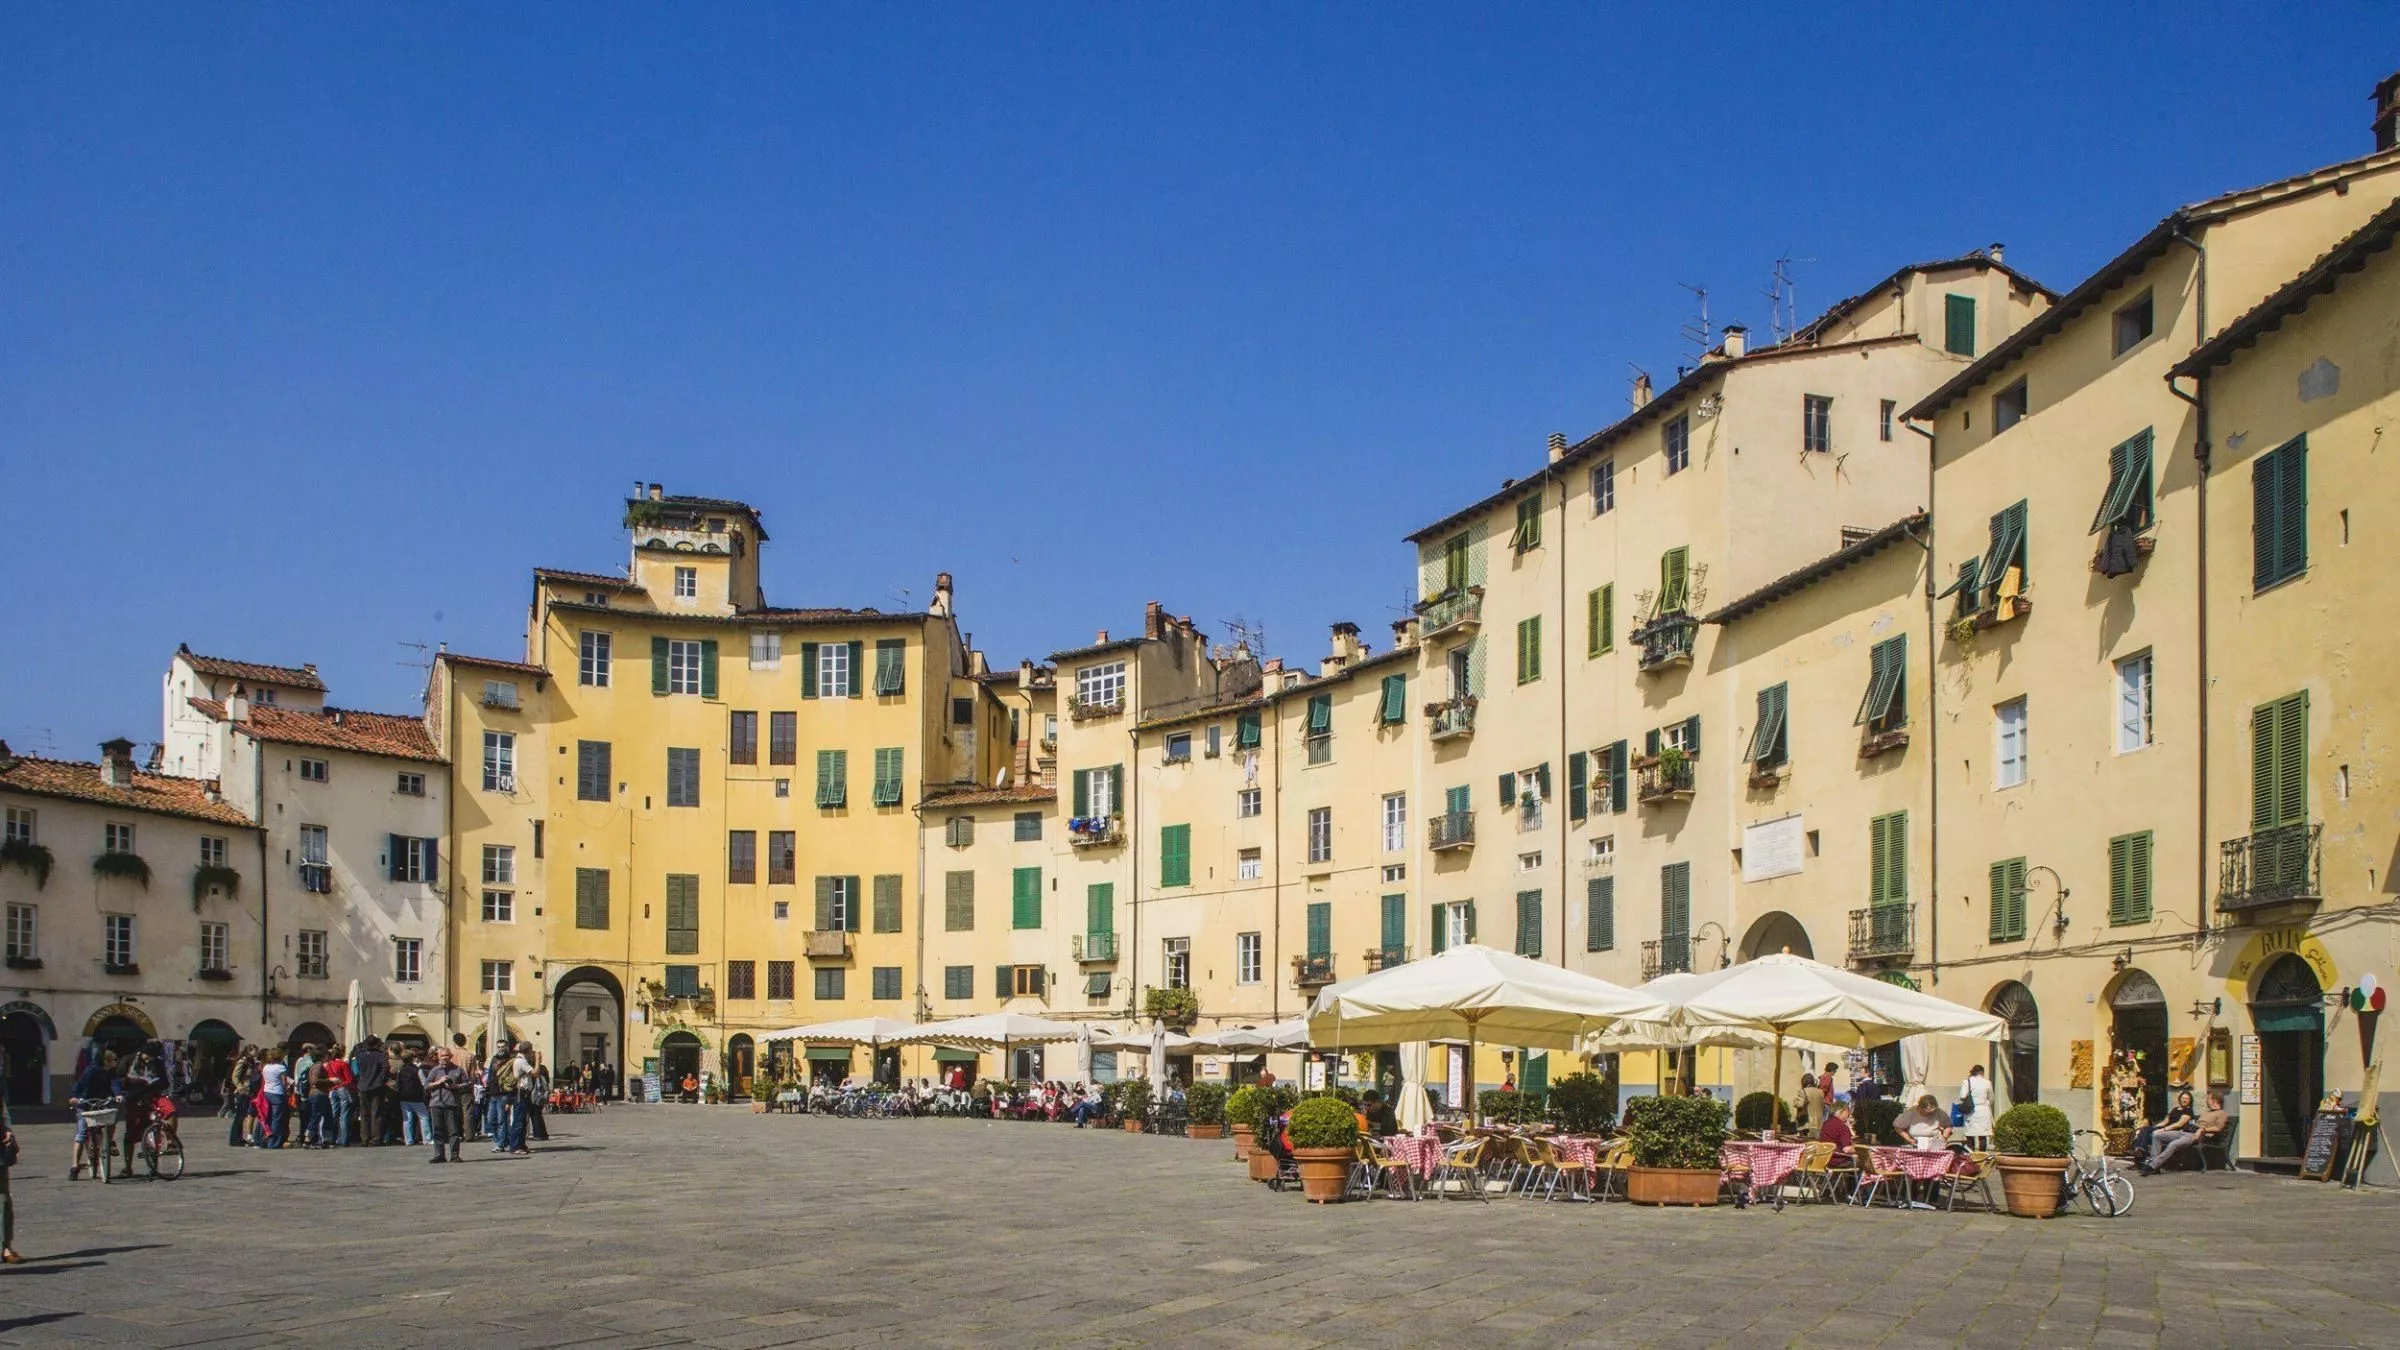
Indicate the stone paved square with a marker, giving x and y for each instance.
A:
(676, 1225)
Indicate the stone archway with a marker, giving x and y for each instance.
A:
(213, 1044)
(2288, 1010)
(2138, 1026)
(1776, 932)
(588, 1023)
(678, 1059)
(2016, 1063)
(25, 1036)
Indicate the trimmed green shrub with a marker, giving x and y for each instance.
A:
(1750, 1113)
(1244, 1106)
(1505, 1106)
(2033, 1131)
(1277, 1100)
(1133, 1098)
(1582, 1103)
(1675, 1131)
(1874, 1121)
(1205, 1101)
(1322, 1122)
(1348, 1095)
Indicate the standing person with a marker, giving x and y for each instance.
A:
(1812, 1102)
(342, 1100)
(274, 1085)
(1975, 1095)
(139, 1089)
(445, 1089)
(304, 1067)
(537, 1095)
(8, 1160)
(520, 1074)
(371, 1072)
(241, 1089)
(319, 1119)
(416, 1123)
(96, 1084)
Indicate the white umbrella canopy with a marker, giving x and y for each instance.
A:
(354, 1018)
(1134, 1038)
(1478, 993)
(849, 1031)
(1288, 1035)
(992, 1029)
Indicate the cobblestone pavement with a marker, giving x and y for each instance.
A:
(676, 1225)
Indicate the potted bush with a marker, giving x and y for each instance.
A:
(1676, 1145)
(2032, 1142)
(1241, 1117)
(1583, 1103)
(1751, 1113)
(1204, 1102)
(1500, 1106)
(1324, 1134)
(1133, 1104)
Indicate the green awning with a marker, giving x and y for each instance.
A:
(943, 1054)
(834, 1054)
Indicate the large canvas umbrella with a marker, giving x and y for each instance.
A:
(1796, 998)
(1289, 1035)
(1478, 993)
(870, 1032)
(998, 1031)
(354, 1018)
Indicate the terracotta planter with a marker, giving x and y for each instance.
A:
(1133, 1126)
(1243, 1135)
(2030, 1185)
(1324, 1172)
(1204, 1131)
(1671, 1185)
(1262, 1165)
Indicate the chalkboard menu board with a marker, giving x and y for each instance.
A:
(2326, 1134)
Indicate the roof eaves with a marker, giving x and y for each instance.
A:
(1802, 578)
(2321, 277)
(1097, 649)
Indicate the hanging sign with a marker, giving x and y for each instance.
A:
(2250, 1095)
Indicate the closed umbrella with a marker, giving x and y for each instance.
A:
(1415, 1113)
(354, 1017)
(495, 1027)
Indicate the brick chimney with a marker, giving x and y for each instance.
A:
(1641, 390)
(1154, 621)
(2387, 111)
(1737, 341)
(116, 763)
(1346, 648)
(941, 594)
(1404, 631)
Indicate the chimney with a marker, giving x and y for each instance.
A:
(1641, 390)
(1558, 446)
(2387, 111)
(1153, 621)
(1737, 341)
(1996, 252)
(116, 763)
(941, 594)
(1100, 639)
(237, 708)
(1273, 669)
(1346, 648)
(640, 489)
(1404, 631)
(658, 491)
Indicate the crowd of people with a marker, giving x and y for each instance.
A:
(377, 1096)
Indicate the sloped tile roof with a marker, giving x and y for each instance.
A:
(2352, 254)
(1025, 794)
(495, 663)
(604, 580)
(393, 735)
(158, 794)
(296, 677)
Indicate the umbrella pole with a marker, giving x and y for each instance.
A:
(1474, 1100)
(1775, 1109)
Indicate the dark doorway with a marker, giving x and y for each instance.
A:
(213, 1045)
(887, 1065)
(1387, 1074)
(2139, 1025)
(27, 1046)
(741, 1065)
(307, 1033)
(588, 1022)
(2289, 1012)
(678, 1059)
(122, 1035)
(2016, 1065)
(1025, 1064)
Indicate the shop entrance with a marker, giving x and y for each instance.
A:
(2289, 1012)
(678, 1059)
(2016, 1065)
(2138, 1026)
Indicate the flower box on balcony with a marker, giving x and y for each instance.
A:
(1451, 613)
(1080, 711)
(1451, 718)
(121, 968)
(2007, 609)
(216, 973)
(1882, 742)
(828, 944)
(1766, 777)
(1666, 641)
(1094, 831)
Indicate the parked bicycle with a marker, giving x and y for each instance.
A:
(2092, 1174)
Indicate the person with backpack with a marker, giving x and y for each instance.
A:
(408, 1076)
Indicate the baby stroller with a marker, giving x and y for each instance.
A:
(1270, 1141)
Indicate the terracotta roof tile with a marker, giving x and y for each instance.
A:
(603, 579)
(495, 663)
(296, 677)
(1024, 794)
(394, 735)
(156, 793)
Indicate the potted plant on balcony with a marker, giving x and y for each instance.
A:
(1205, 1102)
(1133, 1104)
(34, 858)
(1242, 1117)
(1177, 1008)
(1676, 1144)
(1324, 1135)
(2032, 1141)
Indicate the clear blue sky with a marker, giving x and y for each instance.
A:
(323, 324)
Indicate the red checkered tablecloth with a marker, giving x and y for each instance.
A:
(1769, 1163)
(1423, 1153)
(1921, 1164)
(1577, 1152)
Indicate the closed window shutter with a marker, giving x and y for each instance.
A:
(1116, 789)
(852, 895)
(1890, 843)
(1320, 929)
(1469, 907)
(1395, 921)
(1440, 937)
(1600, 914)
(1578, 788)
(1675, 899)
(2279, 515)
(1026, 902)
(1100, 908)
(2120, 879)
(2292, 510)
(1529, 923)
(858, 669)
(808, 670)
(887, 903)
(958, 902)
(708, 668)
(1083, 793)
(1958, 325)
(396, 857)
(2291, 748)
(1619, 777)
(591, 897)
(1650, 742)
(683, 915)
(2002, 904)
(658, 665)
(1004, 982)
(825, 915)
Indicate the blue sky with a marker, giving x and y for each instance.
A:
(324, 324)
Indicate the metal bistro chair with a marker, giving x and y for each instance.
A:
(1386, 1170)
(1812, 1171)
(1461, 1171)
(1615, 1161)
(1972, 1172)
(1874, 1175)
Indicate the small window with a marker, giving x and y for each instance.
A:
(1816, 423)
(1179, 748)
(500, 693)
(20, 824)
(593, 659)
(499, 977)
(314, 771)
(411, 785)
(1029, 826)
(1884, 427)
(2009, 407)
(766, 650)
(962, 712)
(1247, 967)
(783, 909)
(1529, 862)
(408, 960)
(1248, 865)
(500, 864)
(212, 851)
(499, 907)
(687, 583)
(1604, 487)
(2133, 703)
(1246, 802)
(2133, 323)
(117, 838)
(2012, 752)
(1677, 436)
(1395, 872)
(1958, 325)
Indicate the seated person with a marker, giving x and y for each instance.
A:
(1836, 1131)
(1377, 1114)
(2178, 1121)
(1924, 1126)
(2166, 1145)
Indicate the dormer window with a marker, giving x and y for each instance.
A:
(263, 696)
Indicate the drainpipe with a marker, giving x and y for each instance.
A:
(1549, 474)
(450, 1017)
(1933, 735)
(1275, 905)
(258, 803)
(2200, 456)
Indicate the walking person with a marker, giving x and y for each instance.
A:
(241, 1093)
(537, 1096)
(519, 1087)
(416, 1123)
(8, 1161)
(371, 1072)
(445, 1087)
(1975, 1095)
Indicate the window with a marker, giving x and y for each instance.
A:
(1026, 981)
(887, 776)
(1675, 910)
(1529, 862)
(2133, 323)
(783, 738)
(20, 824)
(2129, 878)
(499, 906)
(1453, 925)
(683, 666)
(1524, 793)
(1174, 855)
(500, 693)
(2133, 703)
(411, 785)
(682, 981)
(412, 859)
(885, 901)
(741, 980)
(1392, 708)
(499, 977)
(591, 771)
(2279, 783)
(958, 902)
(783, 910)
(829, 983)
(212, 851)
(1394, 927)
(1602, 851)
(2127, 502)
(408, 960)
(309, 956)
(1600, 914)
(2009, 765)
(958, 831)
(1029, 826)
(1213, 740)
(1096, 792)
(1884, 425)
(1674, 580)
(213, 945)
(314, 771)
(1529, 649)
(1454, 563)
(1025, 898)
(1958, 325)
(2009, 407)
(1529, 923)
(1528, 532)
(1395, 821)
(741, 738)
(24, 933)
(1246, 802)
(2279, 515)
(1100, 686)
(1320, 930)
(891, 670)
(779, 979)
(1318, 732)
(833, 778)
(117, 935)
(1816, 423)
(2008, 900)
(683, 915)
(1600, 621)
(1604, 487)
(741, 857)
(591, 898)
(1320, 834)
(314, 850)
(1885, 707)
(1245, 731)
(499, 761)
(1179, 963)
(1100, 915)
(1248, 865)
(884, 982)
(958, 982)
(837, 905)
(1982, 582)
(1768, 742)
(1887, 858)
(1395, 872)
(962, 712)
(1179, 748)
(687, 583)
(592, 659)
(783, 864)
(1677, 435)
(683, 776)
(499, 864)
(1248, 963)
(537, 838)
(766, 651)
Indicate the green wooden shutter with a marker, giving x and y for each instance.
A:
(1674, 579)
(1026, 898)
(1083, 793)
(1456, 801)
(958, 902)
(1395, 922)
(1691, 735)
(708, 668)
(825, 915)
(887, 903)
(1608, 617)
(1578, 787)
(1439, 940)
(2129, 878)
(1675, 899)
(833, 778)
(1116, 789)
(1529, 923)
(1004, 984)
(1508, 792)
(858, 669)
(395, 857)
(658, 665)
(2008, 900)
(591, 897)
(1320, 929)
(1600, 914)
(891, 665)
(1529, 649)
(2292, 510)
(856, 901)
(1890, 842)
(1100, 908)
(1174, 855)
(808, 670)
(887, 776)
(1958, 325)
(2279, 763)
(1395, 698)
(1454, 563)
(1245, 731)
(1619, 777)
(1470, 908)
(1650, 742)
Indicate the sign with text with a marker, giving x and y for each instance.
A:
(1773, 848)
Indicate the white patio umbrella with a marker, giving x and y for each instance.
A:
(870, 1032)
(495, 1027)
(1794, 997)
(1479, 993)
(354, 1018)
(1414, 1111)
(1287, 1035)
(1000, 1031)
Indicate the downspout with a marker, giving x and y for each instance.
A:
(258, 803)
(1933, 734)
(2200, 456)
(1275, 903)
(1133, 828)
(450, 1019)
(1550, 472)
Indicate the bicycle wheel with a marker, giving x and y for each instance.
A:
(2097, 1199)
(2120, 1192)
(108, 1157)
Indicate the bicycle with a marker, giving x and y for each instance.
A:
(2106, 1191)
(161, 1144)
(98, 1147)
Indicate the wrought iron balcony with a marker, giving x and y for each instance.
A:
(1310, 971)
(1384, 958)
(1670, 954)
(1883, 932)
(1665, 780)
(2281, 866)
(1451, 719)
(316, 877)
(1667, 641)
(1453, 614)
(1095, 831)
(828, 944)
(1096, 948)
(1452, 829)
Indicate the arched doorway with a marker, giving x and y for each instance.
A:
(741, 1064)
(2289, 1012)
(2016, 1065)
(307, 1033)
(509, 1035)
(588, 1023)
(120, 1034)
(678, 1059)
(2138, 1025)
(213, 1045)
(1776, 932)
(407, 1037)
(25, 1035)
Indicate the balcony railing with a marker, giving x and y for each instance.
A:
(1310, 971)
(1096, 947)
(1667, 955)
(1667, 640)
(317, 877)
(1883, 932)
(1094, 831)
(1665, 781)
(828, 944)
(2281, 866)
(1384, 958)
(1456, 613)
(1451, 718)
(1452, 829)
(1080, 711)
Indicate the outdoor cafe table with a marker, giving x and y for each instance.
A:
(1768, 1163)
(1422, 1152)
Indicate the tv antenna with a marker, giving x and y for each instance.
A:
(1783, 298)
(1247, 634)
(423, 662)
(1696, 330)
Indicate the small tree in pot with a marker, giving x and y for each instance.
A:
(2032, 1141)
(1205, 1103)
(1242, 1115)
(1324, 1135)
(1583, 1103)
(1676, 1145)
(1133, 1103)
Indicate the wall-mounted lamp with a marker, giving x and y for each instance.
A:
(2124, 958)
(2058, 912)
(2207, 1007)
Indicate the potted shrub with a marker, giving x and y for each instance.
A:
(1676, 1145)
(1204, 1102)
(1133, 1103)
(2032, 1141)
(1751, 1112)
(1583, 1103)
(1324, 1134)
(1242, 1117)
(1500, 1106)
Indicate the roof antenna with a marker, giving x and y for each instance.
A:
(423, 662)
(1783, 299)
(1696, 330)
